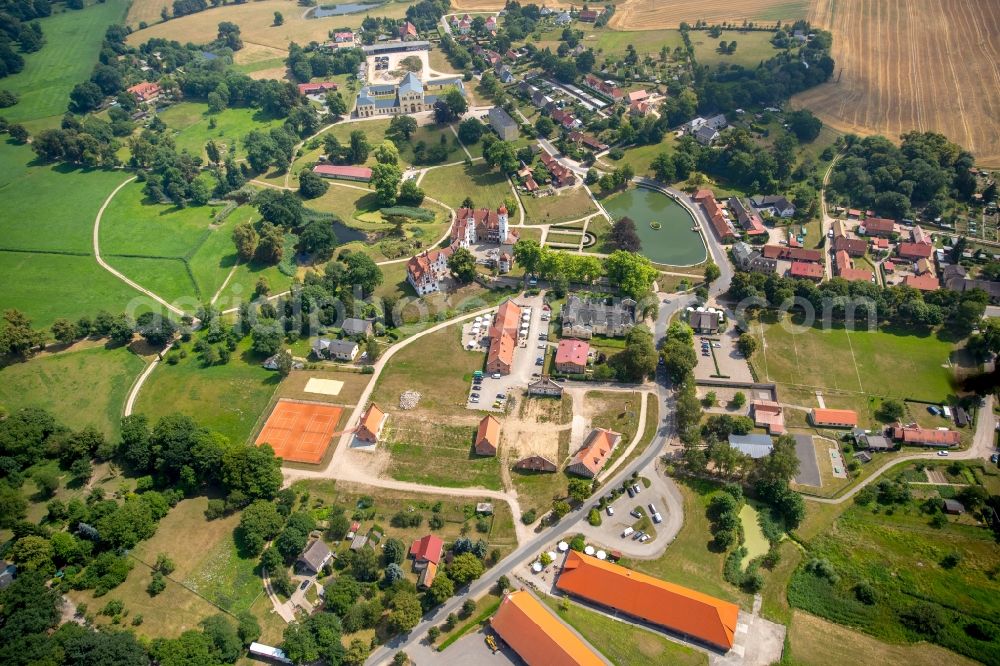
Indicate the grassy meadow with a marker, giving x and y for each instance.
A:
(189, 122)
(226, 398)
(81, 387)
(72, 43)
(567, 205)
(487, 187)
(895, 551)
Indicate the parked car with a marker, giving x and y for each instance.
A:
(305, 584)
(628, 531)
(943, 454)
(645, 538)
(635, 513)
(637, 488)
(473, 399)
(652, 509)
(543, 336)
(496, 375)
(637, 536)
(501, 396)
(717, 345)
(631, 493)
(657, 518)
(611, 510)
(474, 395)
(539, 361)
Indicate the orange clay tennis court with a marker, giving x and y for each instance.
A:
(300, 431)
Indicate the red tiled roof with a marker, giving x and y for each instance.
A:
(801, 269)
(879, 225)
(537, 636)
(145, 90)
(715, 217)
(845, 268)
(594, 453)
(834, 417)
(488, 436)
(853, 246)
(915, 250)
(928, 436)
(650, 599)
(341, 171)
(368, 429)
(427, 549)
(925, 282)
(573, 352)
(792, 253)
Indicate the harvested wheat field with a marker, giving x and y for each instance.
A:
(902, 65)
(658, 14)
(255, 20)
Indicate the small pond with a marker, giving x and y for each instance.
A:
(346, 234)
(340, 10)
(673, 243)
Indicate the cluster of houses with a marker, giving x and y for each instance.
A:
(706, 130)
(734, 219)
(346, 348)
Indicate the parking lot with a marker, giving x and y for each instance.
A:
(492, 393)
(731, 363)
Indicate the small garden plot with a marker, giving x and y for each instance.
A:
(563, 238)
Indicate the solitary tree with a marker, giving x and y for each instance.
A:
(278, 18)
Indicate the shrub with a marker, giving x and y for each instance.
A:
(923, 618)
(951, 560)
(865, 593)
(157, 584)
(822, 568)
(594, 517)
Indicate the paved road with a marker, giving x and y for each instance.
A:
(575, 520)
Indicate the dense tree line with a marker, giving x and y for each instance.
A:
(632, 273)
(19, 31)
(857, 301)
(426, 14)
(926, 171)
(311, 61)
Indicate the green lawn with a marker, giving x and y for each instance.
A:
(622, 643)
(900, 555)
(62, 222)
(133, 225)
(86, 387)
(641, 157)
(227, 398)
(568, 205)
(688, 561)
(176, 252)
(72, 43)
(190, 124)
(50, 286)
(441, 455)
(487, 187)
(902, 365)
(751, 48)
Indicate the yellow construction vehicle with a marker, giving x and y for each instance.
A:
(491, 643)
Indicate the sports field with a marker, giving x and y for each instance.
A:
(901, 66)
(865, 362)
(657, 14)
(72, 42)
(300, 431)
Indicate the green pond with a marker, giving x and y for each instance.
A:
(673, 243)
(753, 537)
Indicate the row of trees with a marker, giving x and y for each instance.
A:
(859, 301)
(632, 273)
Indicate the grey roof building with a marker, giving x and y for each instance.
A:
(355, 326)
(587, 317)
(877, 443)
(706, 135)
(755, 446)
(341, 350)
(705, 321)
(545, 387)
(316, 554)
(775, 204)
(505, 126)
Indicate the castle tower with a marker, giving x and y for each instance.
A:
(502, 230)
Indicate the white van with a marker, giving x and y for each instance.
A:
(628, 531)
(946, 411)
